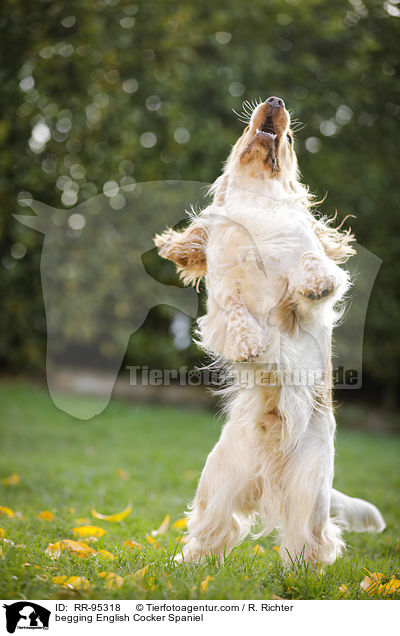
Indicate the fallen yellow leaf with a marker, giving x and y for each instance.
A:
(391, 587)
(343, 589)
(106, 554)
(12, 480)
(77, 582)
(2, 533)
(118, 516)
(6, 511)
(258, 549)
(112, 580)
(182, 539)
(276, 548)
(59, 580)
(179, 524)
(130, 543)
(72, 582)
(76, 547)
(45, 515)
(90, 532)
(122, 474)
(153, 542)
(163, 528)
(32, 565)
(53, 550)
(204, 584)
(139, 574)
(370, 582)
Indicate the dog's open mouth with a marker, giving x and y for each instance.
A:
(268, 127)
(268, 135)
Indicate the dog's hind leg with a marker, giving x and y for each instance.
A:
(307, 531)
(354, 514)
(217, 521)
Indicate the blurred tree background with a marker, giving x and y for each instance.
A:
(106, 93)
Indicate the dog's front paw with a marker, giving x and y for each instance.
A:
(319, 288)
(314, 282)
(243, 346)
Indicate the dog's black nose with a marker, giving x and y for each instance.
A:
(276, 102)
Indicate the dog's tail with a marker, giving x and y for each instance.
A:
(354, 514)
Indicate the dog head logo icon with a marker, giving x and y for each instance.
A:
(26, 615)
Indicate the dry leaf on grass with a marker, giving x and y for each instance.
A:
(12, 480)
(75, 547)
(182, 539)
(71, 582)
(91, 533)
(205, 582)
(118, 516)
(373, 583)
(5, 510)
(2, 533)
(258, 549)
(53, 550)
(370, 582)
(130, 543)
(163, 528)
(106, 554)
(139, 574)
(391, 587)
(45, 515)
(179, 524)
(153, 542)
(112, 580)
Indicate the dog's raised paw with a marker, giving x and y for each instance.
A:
(324, 288)
(245, 349)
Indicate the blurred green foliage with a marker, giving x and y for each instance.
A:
(108, 90)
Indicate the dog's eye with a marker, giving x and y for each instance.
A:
(290, 139)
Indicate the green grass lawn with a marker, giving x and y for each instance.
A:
(69, 466)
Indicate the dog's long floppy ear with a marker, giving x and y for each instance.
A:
(186, 249)
(337, 243)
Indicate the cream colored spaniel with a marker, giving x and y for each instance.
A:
(273, 281)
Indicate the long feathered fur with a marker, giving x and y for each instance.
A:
(273, 279)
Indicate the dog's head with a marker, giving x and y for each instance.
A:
(264, 151)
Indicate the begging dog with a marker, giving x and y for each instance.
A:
(273, 280)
